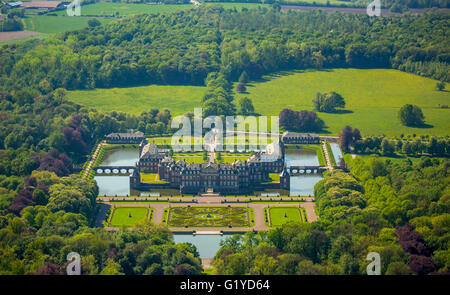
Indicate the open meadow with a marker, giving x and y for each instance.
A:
(58, 24)
(129, 216)
(373, 99)
(281, 215)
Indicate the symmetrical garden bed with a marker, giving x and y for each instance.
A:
(210, 217)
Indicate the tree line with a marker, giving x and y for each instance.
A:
(151, 49)
(351, 141)
(399, 210)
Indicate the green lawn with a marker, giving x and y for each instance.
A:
(313, 147)
(281, 215)
(108, 8)
(135, 100)
(193, 157)
(57, 24)
(228, 157)
(209, 217)
(330, 154)
(151, 178)
(322, 2)
(128, 216)
(373, 98)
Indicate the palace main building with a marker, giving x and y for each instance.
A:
(240, 177)
(227, 178)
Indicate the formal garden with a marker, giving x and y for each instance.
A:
(277, 216)
(209, 216)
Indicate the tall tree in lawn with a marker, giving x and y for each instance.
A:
(244, 77)
(246, 106)
(411, 115)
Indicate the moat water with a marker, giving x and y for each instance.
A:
(302, 185)
(207, 245)
(120, 157)
(296, 157)
(336, 150)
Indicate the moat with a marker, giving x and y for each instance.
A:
(302, 185)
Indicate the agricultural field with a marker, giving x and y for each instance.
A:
(209, 217)
(281, 215)
(321, 2)
(58, 24)
(373, 98)
(192, 157)
(129, 216)
(135, 100)
(123, 9)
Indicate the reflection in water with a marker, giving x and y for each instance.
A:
(304, 185)
(120, 185)
(301, 158)
(113, 185)
(207, 245)
(336, 150)
(120, 157)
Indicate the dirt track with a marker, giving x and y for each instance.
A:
(7, 36)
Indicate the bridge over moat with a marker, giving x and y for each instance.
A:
(293, 170)
(114, 169)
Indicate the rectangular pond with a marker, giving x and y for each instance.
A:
(120, 157)
(301, 157)
(113, 185)
(207, 245)
(303, 185)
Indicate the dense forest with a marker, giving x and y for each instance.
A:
(398, 209)
(58, 220)
(183, 47)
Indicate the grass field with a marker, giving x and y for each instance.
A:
(57, 24)
(323, 2)
(281, 215)
(209, 217)
(193, 157)
(128, 216)
(373, 99)
(108, 8)
(135, 100)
